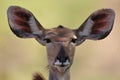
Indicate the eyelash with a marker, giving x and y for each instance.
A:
(47, 40)
(73, 40)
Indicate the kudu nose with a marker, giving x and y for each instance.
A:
(62, 58)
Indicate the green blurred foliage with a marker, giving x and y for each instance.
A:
(20, 58)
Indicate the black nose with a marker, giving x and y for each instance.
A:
(62, 56)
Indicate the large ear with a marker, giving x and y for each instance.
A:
(97, 26)
(23, 23)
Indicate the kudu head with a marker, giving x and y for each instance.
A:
(60, 41)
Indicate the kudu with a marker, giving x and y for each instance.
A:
(60, 41)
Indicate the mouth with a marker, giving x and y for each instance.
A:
(62, 64)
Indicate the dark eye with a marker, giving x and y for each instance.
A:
(73, 40)
(47, 40)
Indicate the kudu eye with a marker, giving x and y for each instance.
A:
(47, 40)
(73, 40)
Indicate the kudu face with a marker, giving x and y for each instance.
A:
(60, 41)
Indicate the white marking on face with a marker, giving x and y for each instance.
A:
(75, 37)
(58, 63)
(66, 63)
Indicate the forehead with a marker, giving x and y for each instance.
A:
(59, 33)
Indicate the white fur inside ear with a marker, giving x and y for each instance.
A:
(87, 28)
(34, 26)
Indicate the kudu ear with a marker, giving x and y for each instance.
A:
(97, 26)
(23, 23)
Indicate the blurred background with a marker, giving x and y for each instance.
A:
(94, 60)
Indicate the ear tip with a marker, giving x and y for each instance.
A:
(109, 11)
(105, 10)
(12, 7)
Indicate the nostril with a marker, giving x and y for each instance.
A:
(62, 59)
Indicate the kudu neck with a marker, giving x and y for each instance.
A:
(55, 75)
